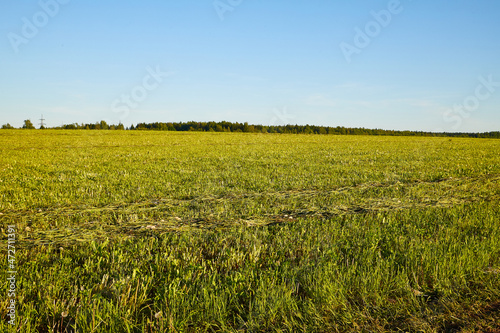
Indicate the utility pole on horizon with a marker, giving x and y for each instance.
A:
(41, 122)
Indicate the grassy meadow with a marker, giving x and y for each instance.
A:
(144, 231)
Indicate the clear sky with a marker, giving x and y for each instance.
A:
(428, 65)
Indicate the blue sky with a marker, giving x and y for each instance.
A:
(417, 65)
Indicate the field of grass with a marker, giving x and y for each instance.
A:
(130, 231)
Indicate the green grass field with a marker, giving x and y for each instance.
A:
(142, 231)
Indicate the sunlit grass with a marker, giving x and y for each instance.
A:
(186, 232)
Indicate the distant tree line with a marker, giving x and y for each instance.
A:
(225, 126)
(102, 125)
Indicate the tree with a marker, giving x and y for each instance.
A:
(28, 124)
(7, 126)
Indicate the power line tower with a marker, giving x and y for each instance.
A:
(41, 122)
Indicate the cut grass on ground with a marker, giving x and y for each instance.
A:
(192, 232)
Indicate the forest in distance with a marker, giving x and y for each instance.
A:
(226, 126)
